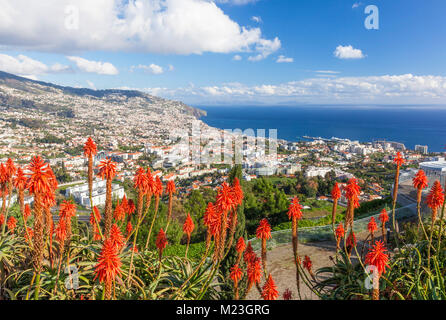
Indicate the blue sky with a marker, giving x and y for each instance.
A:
(229, 51)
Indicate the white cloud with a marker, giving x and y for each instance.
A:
(348, 52)
(256, 19)
(406, 88)
(26, 66)
(236, 2)
(151, 26)
(266, 48)
(91, 85)
(31, 77)
(283, 59)
(98, 67)
(171, 67)
(356, 5)
(237, 58)
(152, 68)
(327, 71)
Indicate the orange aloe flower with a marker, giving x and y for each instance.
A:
(67, 211)
(209, 215)
(351, 239)
(39, 183)
(351, 242)
(236, 274)
(336, 192)
(384, 216)
(420, 181)
(20, 180)
(125, 204)
(372, 227)
(131, 207)
(223, 205)
(237, 192)
(90, 148)
(119, 213)
(295, 210)
(249, 254)
(97, 235)
(225, 200)
(39, 177)
(109, 264)
(254, 272)
(97, 214)
(340, 233)
(129, 228)
(335, 195)
(352, 192)
(61, 231)
(2, 219)
(116, 237)
(140, 180)
(188, 226)
(170, 187)
(19, 183)
(11, 169)
(108, 267)
(27, 212)
(141, 184)
(295, 214)
(29, 234)
(158, 190)
(107, 171)
(377, 257)
(263, 232)
(161, 242)
(435, 198)
(269, 291)
(11, 224)
(240, 246)
(399, 160)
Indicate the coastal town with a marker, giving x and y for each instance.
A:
(135, 129)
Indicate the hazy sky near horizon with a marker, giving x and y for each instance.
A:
(234, 51)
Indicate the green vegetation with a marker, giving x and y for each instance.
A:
(49, 138)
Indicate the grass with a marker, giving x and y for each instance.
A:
(196, 250)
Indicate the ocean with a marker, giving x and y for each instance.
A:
(408, 125)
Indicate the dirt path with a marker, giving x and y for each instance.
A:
(283, 270)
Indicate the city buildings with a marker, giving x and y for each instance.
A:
(81, 194)
(422, 149)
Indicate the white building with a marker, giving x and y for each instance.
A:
(422, 149)
(81, 194)
(317, 171)
(435, 170)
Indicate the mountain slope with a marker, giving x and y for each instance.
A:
(8, 80)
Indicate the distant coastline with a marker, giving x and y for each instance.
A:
(405, 124)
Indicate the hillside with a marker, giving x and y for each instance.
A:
(42, 117)
(36, 88)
